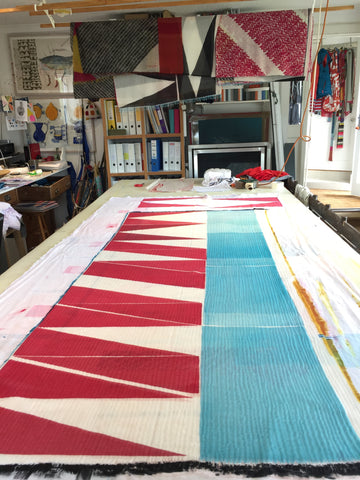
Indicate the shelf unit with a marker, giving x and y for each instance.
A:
(143, 139)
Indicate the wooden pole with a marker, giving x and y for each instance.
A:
(94, 3)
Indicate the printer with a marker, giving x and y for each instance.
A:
(9, 158)
(7, 149)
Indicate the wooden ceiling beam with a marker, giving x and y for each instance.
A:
(335, 9)
(31, 8)
(137, 6)
(83, 3)
(80, 6)
(21, 8)
(56, 25)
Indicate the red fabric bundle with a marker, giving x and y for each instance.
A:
(260, 174)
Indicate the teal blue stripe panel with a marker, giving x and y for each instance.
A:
(264, 395)
(237, 254)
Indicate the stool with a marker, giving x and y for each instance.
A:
(34, 216)
(44, 231)
(19, 242)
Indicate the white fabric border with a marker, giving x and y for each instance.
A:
(29, 298)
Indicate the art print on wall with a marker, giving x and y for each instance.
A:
(58, 123)
(42, 64)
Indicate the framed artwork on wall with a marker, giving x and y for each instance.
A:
(42, 65)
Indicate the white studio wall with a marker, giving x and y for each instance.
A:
(23, 137)
(320, 170)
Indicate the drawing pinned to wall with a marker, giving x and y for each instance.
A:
(31, 117)
(21, 110)
(58, 123)
(38, 109)
(40, 132)
(51, 112)
(7, 103)
(13, 124)
(42, 64)
(58, 133)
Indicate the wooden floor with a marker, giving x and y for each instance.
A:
(337, 198)
(340, 199)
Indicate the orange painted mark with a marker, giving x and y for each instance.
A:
(317, 319)
(334, 352)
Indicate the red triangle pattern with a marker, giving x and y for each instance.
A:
(143, 224)
(186, 273)
(40, 436)
(92, 357)
(49, 343)
(170, 202)
(121, 236)
(66, 316)
(166, 202)
(193, 266)
(179, 373)
(155, 203)
(134, 306)
(184, 252)
(153, 214)
(20, 379)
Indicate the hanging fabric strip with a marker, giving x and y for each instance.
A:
(262, 44)
(195, 48)
(340, 133)
(295, 102)
(137, 90)
(335, 78)
(324, 82)
(349, 82)
(333, 122)
(170, 46)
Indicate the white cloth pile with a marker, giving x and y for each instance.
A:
(12, 218)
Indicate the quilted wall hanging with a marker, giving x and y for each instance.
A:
(180, 347)
(181, 58)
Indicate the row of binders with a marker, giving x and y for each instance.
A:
(164, 155)
(128, 157)
(128, 119)
(162, 119)
(125, 157)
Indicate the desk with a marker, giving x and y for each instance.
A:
(290, 390)
(16, 190)
(8, 193)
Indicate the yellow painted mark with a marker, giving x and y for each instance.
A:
(334, 352)
(326, 301)
(317, 319)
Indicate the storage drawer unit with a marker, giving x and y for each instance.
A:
(10, 197)
(47, 189)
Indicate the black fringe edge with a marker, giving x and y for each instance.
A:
(85, 472)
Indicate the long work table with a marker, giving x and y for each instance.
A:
(168, 328)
